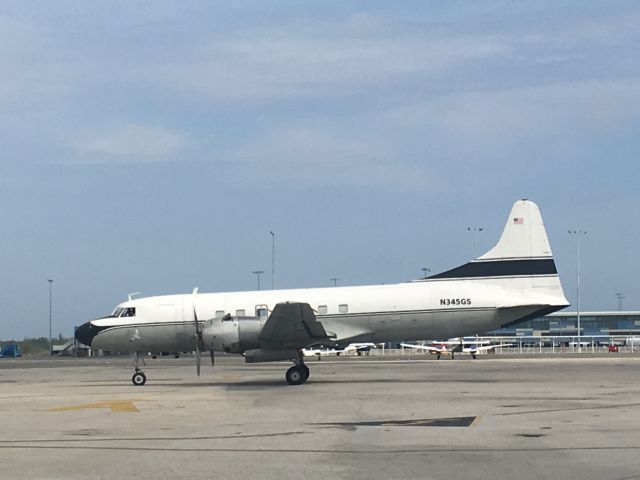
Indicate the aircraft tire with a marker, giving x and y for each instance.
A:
(296, 375)
(306, 372)
(139, 379)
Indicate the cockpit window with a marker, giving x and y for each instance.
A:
(124, 312)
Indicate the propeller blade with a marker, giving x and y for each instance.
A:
(198, 360)
(213, 357)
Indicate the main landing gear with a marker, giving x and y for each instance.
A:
(138, 378)
(299, 373)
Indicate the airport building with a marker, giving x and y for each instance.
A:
(566, 324)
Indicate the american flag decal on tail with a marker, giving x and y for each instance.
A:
(518, 221)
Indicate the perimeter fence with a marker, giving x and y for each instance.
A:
(523, 345)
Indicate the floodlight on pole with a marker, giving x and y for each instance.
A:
(50, 315)
(273, 259)
(426, 271)
(578, 234)
(257, 273)
(620, 298)
(335, 281)
(475, 231)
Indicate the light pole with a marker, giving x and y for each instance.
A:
(50, 315)
(578, 234)
(334, 280)
(426, 271)
(475, 231)
(620, 298)
(257, 273)
(273, 259)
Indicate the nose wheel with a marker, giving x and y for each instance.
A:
(139, 378)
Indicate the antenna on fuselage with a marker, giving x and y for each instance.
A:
(132, 294)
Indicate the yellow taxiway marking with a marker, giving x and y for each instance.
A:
(115, 406)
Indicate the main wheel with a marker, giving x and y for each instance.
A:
(296, 375)
(306, 371)
(139, 378)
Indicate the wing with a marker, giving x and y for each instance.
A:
(422, 347)
(292, 325)
(319, 352)
(486, 348)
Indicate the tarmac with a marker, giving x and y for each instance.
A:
(356, 418)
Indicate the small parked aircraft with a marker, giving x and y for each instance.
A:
(455, 345)
(357, 348)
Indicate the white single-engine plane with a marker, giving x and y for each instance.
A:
(514, 280)
(456, 345)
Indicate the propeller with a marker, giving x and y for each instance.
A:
(199, 340)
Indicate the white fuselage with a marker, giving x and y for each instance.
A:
(379, 313)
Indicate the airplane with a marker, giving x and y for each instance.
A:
(358, 348)
(516, 279)
(453, 346)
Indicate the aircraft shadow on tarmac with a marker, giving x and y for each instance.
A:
(279, 383)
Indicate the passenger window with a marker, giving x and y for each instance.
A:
(219, 313)
(344, 308)
(240, 313)
(322, 309)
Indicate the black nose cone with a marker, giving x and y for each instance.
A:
(85, 333)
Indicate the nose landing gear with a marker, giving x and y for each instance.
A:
(138, 378)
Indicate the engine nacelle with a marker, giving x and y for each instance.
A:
(261, 355)
(232, 334)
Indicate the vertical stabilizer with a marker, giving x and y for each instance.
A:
(521, 261)
(524, 235)
(522, 251)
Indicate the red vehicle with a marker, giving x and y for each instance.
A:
(613, 348)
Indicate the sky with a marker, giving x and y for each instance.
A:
(152, 146)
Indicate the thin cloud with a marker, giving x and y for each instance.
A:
(317, 59)
(509, 116)
(130, 143)
(314, 59)
(301, 157)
